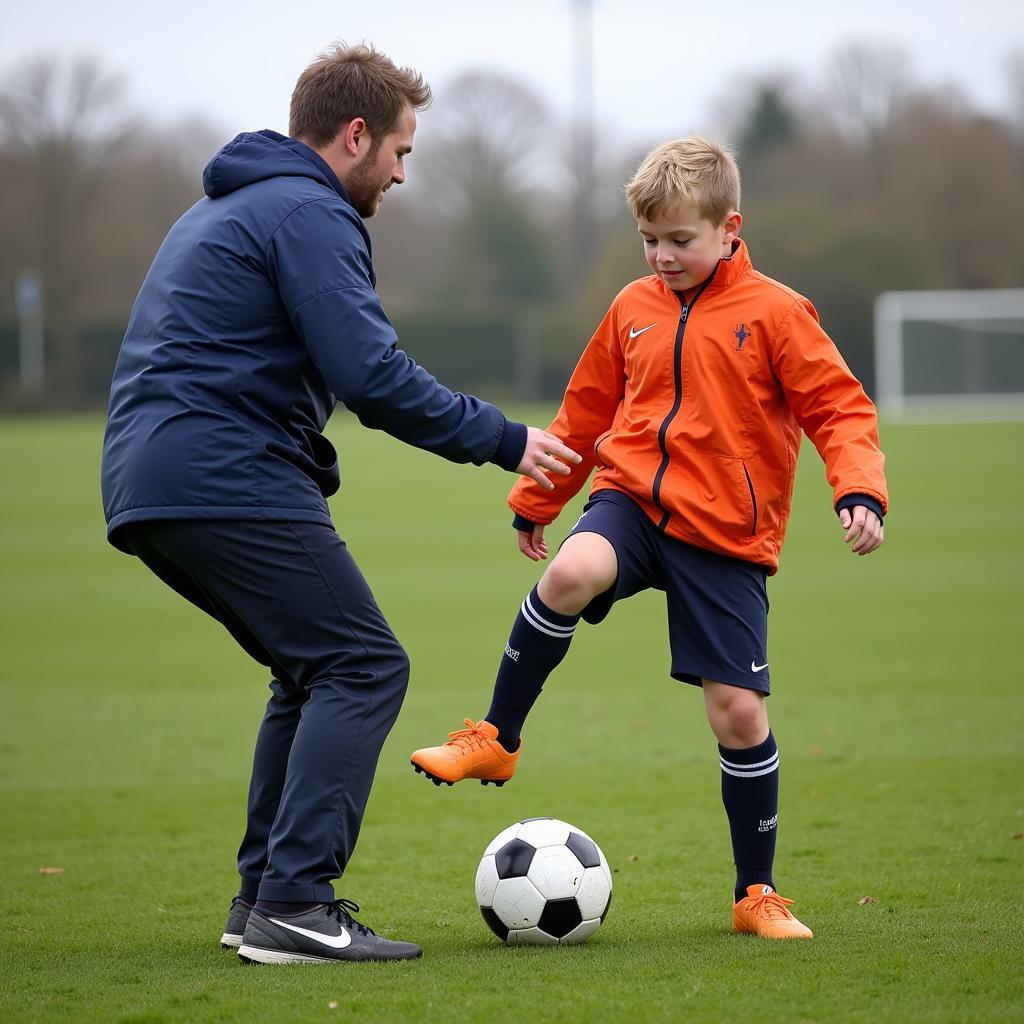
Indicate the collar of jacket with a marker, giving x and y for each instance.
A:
(312, 156)
(727, 271)
(731, 268)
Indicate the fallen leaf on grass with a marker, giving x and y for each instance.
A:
(1018, 835)
(51, 871)
(866, 899)
(632, 856)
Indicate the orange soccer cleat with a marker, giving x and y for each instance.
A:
(763, 912)
(470, 753)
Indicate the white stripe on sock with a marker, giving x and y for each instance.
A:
(756, 764)
(538, 622)
(753, 775)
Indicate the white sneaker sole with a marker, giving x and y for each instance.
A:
(230, 941)
(255, 955)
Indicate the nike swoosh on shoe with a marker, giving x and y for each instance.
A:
(333, 941)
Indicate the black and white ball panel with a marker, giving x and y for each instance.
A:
(514, 859)
(543, 881)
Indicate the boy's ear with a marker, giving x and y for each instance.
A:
(732, 226)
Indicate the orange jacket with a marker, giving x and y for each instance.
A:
(696, 412)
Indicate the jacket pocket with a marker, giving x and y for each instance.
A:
(315, 456)
(712, 494)
(597, 447)
(753, 498)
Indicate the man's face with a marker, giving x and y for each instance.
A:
(682, 248)
(382, 166)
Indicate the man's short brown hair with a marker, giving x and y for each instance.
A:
(347, 82)
(695, 171)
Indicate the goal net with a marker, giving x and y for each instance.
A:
(948, 355)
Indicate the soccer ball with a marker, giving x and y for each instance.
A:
(542, 881)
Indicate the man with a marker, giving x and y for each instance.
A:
(258, 314)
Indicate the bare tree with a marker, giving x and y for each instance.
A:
(490, 157)
(63, 127)
(868, 87)
(489, 132)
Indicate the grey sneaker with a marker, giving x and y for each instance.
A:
(324, 934)
(238, 915)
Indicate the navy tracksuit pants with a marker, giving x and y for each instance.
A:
(292, 596)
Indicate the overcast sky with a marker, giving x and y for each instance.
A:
(659, 69)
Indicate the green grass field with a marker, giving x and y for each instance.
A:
(127, 721)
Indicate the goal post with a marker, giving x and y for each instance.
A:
(950, 355)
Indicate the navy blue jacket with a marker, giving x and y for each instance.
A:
(258, 314)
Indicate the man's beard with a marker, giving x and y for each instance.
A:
(366, 185)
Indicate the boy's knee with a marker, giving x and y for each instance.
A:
(569, 585)
(737, 715)
(746, 719)
(585, 567)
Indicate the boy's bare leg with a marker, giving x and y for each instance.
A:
(488, 750)
(750, 792)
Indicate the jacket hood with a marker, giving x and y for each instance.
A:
(257, 156)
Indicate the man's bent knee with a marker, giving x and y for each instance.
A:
(382, 668)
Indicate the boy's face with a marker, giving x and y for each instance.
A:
(682, 248)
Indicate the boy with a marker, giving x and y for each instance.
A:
(690, 400)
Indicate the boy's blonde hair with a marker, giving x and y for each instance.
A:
(695, 171)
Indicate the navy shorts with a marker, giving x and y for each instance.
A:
(717, 606)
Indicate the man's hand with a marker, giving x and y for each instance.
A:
(544, 452)
(863, 528)
(532, 543)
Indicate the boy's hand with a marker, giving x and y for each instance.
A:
(532, 543)
(545, 452)
(863, 528)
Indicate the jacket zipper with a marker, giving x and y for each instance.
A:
(677, 404)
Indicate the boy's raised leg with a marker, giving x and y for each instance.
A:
(488, 750)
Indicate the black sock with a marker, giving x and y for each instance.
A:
(750, 792)
(539, 640)
(285, 909)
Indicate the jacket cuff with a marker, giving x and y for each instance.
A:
(523, 524)
(511, 446)
(849, 500)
